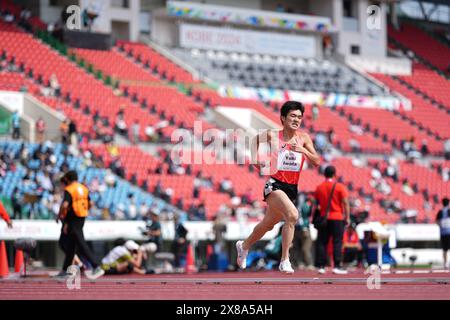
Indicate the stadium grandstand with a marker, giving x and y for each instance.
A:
(115, 89)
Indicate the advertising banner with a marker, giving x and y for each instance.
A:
(233, 40)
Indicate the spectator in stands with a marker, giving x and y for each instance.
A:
(201, 212)
(180, 243)
(8, 16)
(352, 249)
(73, 133)
(132, 207)
(158, 191)
(447, 149)
(327, 45)
(330, 135)
(320, 142)
(24, 17)
(315, 112)
(196, 187)
(410, 149)
(392, 169)
(45, 182)
(15, 119)
(445, 174)
(113, 150)
(406, 188)
(427, 207)
(120, 212)
(3, 65)
(121, 125)
(40, 130)
(16, 201)
(443, 220)
(110, 179)
(143, 209)
(167, 195)
(357, 129)
(116, 167)
(424, 148)
(247, 197)
(354, 145)
(338, 218)
(150, 133)
(64, 129)
(55, 89)
(135, 131)
(123, 259)
(302, 243)
(408, 215)
(226, 186)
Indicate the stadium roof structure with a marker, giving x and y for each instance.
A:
(428, 10)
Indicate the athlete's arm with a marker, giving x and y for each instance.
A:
(308, 150)
(62, 211)
(346, 208)
(64, 208)
(264, 137)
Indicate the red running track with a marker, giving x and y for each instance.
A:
(233, 286)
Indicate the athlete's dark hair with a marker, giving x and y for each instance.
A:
(71, 176)
(289, 106)
(445, 202)
(329, 172)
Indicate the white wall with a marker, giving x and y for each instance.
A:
(108, 13)
(374, 41)
(371, 42)
(164, 30)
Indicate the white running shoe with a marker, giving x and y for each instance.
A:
(285, 266)
(94, 274)
(241, 255)
(322, 271)
(339, 271)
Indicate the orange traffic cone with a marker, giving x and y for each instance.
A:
(18, 265)
(190, 261)
(4, 270)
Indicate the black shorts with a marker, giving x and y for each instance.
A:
(273, 184)
(445, 242)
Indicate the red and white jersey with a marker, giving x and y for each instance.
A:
(289, 163)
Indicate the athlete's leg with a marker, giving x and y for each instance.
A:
(280, 203)
(84, 249)
(271, 218)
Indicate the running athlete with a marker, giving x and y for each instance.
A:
(291, 148)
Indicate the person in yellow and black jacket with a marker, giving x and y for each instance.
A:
(73, 212)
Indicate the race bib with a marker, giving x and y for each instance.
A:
(445, 223)
(289, 160)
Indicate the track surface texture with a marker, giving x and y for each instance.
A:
(409, 285)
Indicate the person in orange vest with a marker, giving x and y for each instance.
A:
(4, 215)
(73, 212)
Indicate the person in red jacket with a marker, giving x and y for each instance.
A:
(4, 215)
